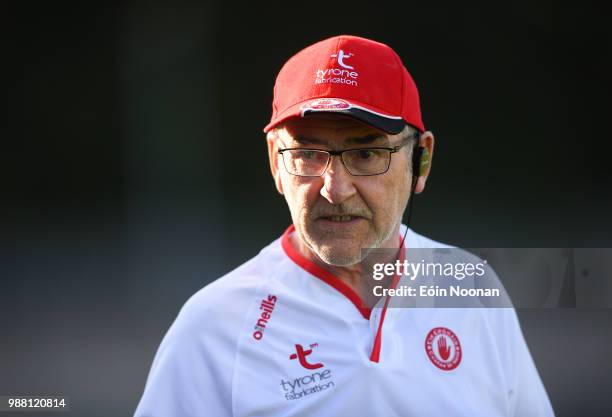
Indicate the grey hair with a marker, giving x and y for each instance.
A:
(409, 133)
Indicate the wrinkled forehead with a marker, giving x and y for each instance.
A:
(330, 130)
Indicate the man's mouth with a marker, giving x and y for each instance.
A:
(340, 219)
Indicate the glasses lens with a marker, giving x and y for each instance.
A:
(305, 162)
(367, 161)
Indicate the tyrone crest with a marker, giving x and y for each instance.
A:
(443, 348)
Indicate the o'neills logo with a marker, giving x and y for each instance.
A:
(443, 348)
(267, 307)
(344, 75)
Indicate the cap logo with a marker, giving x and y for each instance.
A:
(344, 75)
(326, 104)
(341, 57)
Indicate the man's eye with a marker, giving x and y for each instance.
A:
(308, 154)
(366, 153)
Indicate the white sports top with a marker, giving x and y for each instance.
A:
(280, 336)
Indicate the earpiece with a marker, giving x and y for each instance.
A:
(420, 161)
(424, 161)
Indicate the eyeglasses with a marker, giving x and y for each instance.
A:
(305, 162)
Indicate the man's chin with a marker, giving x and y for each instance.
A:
(337, 249)
(340, 253)
(339, 258)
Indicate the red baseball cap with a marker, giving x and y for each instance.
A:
(348, 75)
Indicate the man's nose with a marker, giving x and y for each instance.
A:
(337, 182)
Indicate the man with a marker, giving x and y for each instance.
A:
(288, 333)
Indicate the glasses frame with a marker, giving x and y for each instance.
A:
(340, 154)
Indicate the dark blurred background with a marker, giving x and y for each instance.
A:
(134, 169)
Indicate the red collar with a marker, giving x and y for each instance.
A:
(330, 279)
(323, 274)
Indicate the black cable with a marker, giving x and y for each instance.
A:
(415, 178)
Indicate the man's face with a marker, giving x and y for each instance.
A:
(338, 214)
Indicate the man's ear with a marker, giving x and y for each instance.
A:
(274, 158)
(426, 142)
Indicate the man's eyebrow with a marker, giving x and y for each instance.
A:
(304, 140)
(364, 140)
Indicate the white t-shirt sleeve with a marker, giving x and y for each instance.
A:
(192, 370)
(528, 396)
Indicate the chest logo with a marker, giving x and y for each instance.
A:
(314, 382)
(443, 348)
(300, 354)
